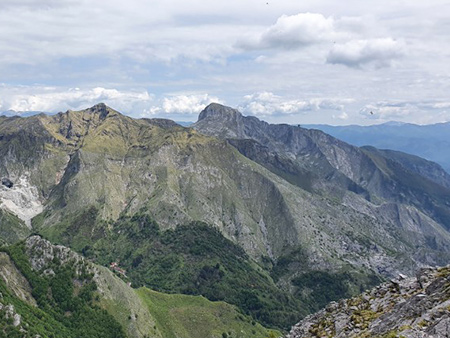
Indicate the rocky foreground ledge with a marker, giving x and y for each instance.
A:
(417, 307)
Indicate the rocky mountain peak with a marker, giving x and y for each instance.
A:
(101, 109)
(222, 121)
(75, 125)
(100, 112)
(97, 113)
(221, 112)
(404, 307)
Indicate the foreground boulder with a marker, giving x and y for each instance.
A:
(405, 307)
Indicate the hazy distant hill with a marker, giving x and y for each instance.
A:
(12, 113)
(431, 142)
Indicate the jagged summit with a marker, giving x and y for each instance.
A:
(220, 120)
(101, 111)
(404, 307)
(94, 128)
(217, 110)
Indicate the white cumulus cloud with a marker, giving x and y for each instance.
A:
(267, 103)
(357, 53)
(51, 99)
(182, 104)
(343, 116)
(390, 111)
(291, 31)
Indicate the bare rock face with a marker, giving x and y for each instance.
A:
(405, 307)
(383, 185)
(9, 312)
(14, 280)
(20, 198)
(41, 253)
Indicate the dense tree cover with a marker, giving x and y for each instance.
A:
(39, 322)
(325, 287)
(64, 309)
(195, 259)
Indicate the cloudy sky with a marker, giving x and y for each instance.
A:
(285, 61)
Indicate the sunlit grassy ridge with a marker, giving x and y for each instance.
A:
(71, 302)
(194, 316)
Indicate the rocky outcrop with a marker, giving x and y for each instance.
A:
(9, 312)
(417, 307)
(114, 294)
(42, 253)
(10, 317)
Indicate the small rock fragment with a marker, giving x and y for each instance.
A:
(7, 182)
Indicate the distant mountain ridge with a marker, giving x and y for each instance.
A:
(12, 113)
(427, 141)
(326, 162)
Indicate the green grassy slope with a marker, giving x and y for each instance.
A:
(194, 316)
(12, 229)
(197, 259)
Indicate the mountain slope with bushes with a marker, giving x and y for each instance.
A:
(274, 219)
(50, 291)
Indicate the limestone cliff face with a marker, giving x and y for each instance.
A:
(333, 165)
(405, 307)
(390, 187)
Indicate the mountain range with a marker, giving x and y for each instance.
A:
(277, 220)
(428, 141)
(12, 113)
